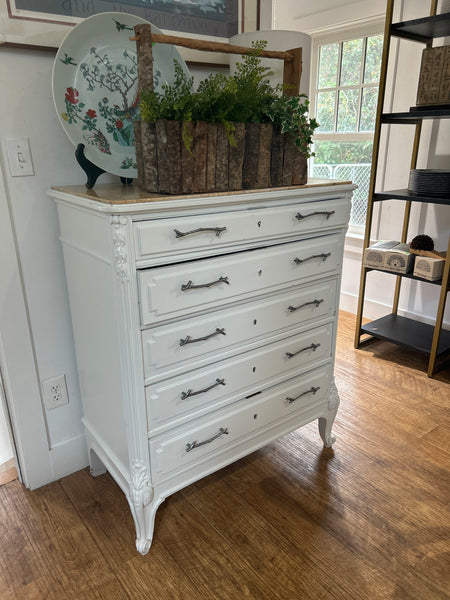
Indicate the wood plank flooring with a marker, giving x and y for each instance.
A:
(8, 471)
(368, 519)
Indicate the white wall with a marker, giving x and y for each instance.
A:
(26, 107)
(307, 16)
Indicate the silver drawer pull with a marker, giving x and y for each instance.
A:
(190, 286)
(191, 445)
(315, 302)
(190, 393)
(312, 347)
(216, 230)
(189, 340)
(312, 391)
(323, 256)
(327, 214)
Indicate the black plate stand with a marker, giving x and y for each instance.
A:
(92, 171)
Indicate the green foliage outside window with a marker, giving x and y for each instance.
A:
(347, 89)
(346, 103)
(330, 152)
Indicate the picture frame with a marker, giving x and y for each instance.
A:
(27, 30)
(45, 30)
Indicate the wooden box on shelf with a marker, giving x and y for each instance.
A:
(389, 256)
(429, 265)
(428, 268)
(434, 79)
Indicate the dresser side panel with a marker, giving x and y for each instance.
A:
(90, 280)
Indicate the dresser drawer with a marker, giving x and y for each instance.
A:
(177, 290)
(171, 349)
(171, 401)
(165, 237)
(223, 432)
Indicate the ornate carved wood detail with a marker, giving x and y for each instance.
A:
(119, 236)
(141, 492)
(140, 501)
(333, 397)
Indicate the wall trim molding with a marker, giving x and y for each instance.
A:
(357, 25)
(69, 456)
(375, 310)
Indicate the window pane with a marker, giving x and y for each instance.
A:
(373, 59)
(349, 161)
(368, 109)
(351, 62)
(347, 110)
(325, 111)
(328, 65)
(332, 152)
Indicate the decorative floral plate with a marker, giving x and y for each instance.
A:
(95, 87)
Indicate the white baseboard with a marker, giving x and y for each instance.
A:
(69, 456)
(5, 457)
(372, 310)
(348, 303)
(375, 310)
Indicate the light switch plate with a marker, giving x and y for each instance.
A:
(19, 156)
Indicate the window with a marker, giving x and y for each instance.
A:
(347, 73)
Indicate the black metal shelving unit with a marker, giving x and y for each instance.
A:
(407, 196)
(437, 282)
(407, 332)
(415, 115)
(429, 339)
(423, 29)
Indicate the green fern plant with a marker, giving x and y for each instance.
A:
(245, 97)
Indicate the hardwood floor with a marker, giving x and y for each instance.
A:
(8, 471)
(367, 520)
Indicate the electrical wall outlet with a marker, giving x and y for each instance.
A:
(55, 392)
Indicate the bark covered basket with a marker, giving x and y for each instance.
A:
(261, 157)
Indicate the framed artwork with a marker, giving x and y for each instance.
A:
(44, 24)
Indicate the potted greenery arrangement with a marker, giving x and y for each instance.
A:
(233, 132)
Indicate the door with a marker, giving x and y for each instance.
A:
(6, 452)
(17, 362)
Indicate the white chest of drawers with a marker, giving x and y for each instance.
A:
(204, 327)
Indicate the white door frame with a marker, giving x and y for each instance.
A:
(6, 440)
(17, 359)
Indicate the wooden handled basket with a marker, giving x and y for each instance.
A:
(262, 156)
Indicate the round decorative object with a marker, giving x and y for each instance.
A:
(95, 87)
(422, 242)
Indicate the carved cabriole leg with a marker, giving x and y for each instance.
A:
(326, 422)
(144, 531)
(140, 501)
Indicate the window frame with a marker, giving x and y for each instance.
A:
(339, 34)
